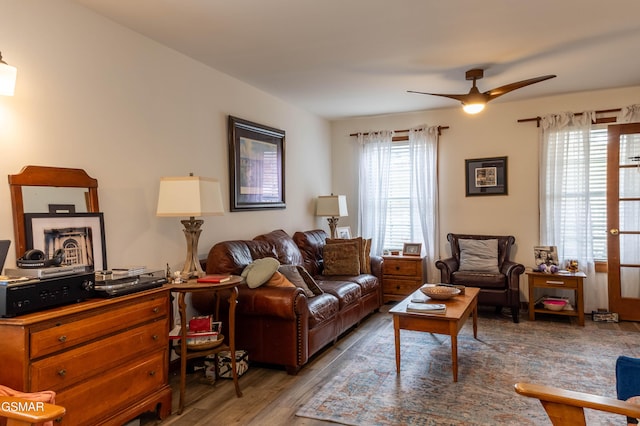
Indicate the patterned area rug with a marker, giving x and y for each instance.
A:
(365, 389)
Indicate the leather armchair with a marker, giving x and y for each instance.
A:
(496, 289)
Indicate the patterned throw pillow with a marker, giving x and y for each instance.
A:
(364, 251)
(342, 259)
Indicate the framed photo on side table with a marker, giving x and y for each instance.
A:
(486, 176)
(80, 235)
(256, 166)
(411, 249)
(343, 232)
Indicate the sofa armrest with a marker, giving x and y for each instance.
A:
(447, 268)
(376, 267)
(513, 271)
(278, 302)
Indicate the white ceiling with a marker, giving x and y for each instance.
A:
(344, 58)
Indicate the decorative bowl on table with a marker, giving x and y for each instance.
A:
(554, 305)
(439, 292)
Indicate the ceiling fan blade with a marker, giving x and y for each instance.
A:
(460, 98)
(499, 91)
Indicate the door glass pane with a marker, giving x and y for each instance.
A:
(630, 182)
(629, 253)
(629, 149)
(629, 216)
(630, 282)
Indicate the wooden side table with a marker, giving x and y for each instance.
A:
(401, 276)
(192, 286)
(564, 281)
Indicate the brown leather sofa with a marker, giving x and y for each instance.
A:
(500, 289)
(282, 325)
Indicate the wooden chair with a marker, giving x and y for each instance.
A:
(22, 412)
(565, 407)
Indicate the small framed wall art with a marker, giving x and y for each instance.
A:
(486, 176)
(343, 232)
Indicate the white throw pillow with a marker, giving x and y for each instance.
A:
(479, 255)
(260, 271)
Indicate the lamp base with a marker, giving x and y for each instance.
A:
(192, 232)
(333, 223)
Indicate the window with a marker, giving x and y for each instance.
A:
(402, 215)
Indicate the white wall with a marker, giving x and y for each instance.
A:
(94, 95)
(494, 132)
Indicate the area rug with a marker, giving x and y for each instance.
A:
(365, 389)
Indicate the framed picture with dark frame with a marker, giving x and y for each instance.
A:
(486, 176)
(80, 235)
(256, 166)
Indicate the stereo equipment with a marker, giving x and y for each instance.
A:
(20, 296)
(106, 287)
(36, 259)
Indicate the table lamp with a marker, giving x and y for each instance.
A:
(190, 196)
(333, 206)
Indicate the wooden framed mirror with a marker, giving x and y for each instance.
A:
(49, 185)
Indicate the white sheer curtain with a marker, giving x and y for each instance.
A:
(565, 219)
(629, 114)
(375, 157)
(423, 148)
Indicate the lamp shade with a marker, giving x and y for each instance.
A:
(7, 78)
(189, 196)
(332, 205)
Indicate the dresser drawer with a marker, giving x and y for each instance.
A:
(99, 398)
(400, 267)
(554, 281)
(67, 368)
(71, 331)
(399, 286)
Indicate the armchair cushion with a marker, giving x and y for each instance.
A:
(479, 255)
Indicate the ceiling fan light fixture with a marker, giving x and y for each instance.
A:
(473, 108)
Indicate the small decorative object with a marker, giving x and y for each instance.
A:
(554, 304)
(177, 278)
(547, 269)
(412, 249)
(604, 316)
(343, 232)
(169, 274)
(572, 266)
(439, 292)
(224, 363)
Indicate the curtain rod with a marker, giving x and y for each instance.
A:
(440, 128)
(603, 111)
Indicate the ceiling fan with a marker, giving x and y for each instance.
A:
(474, 101)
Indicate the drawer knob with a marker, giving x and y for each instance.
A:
(152, 373)
(397, 287)
(62, 372)
(155, 337)
(156, 310)
(397, 268)
(62, 339)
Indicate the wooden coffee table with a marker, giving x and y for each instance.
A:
(459, 308)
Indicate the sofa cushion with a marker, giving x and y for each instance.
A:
(479, 255)
(367, 282)
(342, 259)
(259, 271)
(322, 308)
(311, 244)
(364, 249)
(293, 275)
(281, 245)
(347, 292)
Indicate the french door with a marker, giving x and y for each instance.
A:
(623, 220)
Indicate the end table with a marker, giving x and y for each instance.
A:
(561, 281)
(192, 286)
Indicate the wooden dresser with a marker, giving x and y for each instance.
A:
(106, 359)
(401, 276)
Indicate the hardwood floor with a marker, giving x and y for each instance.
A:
(272, 397)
